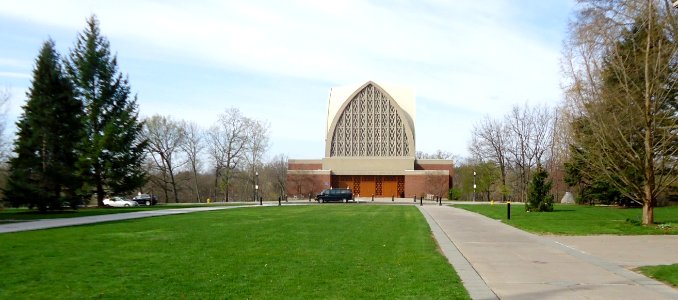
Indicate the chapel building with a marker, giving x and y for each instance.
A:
(370, 148)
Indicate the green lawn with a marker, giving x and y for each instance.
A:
(667, 273)
(9, 215)
(303, 252)
(582, 219)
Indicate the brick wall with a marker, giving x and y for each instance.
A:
(301, 185)
(421, 185)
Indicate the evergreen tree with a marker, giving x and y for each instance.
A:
(113, 147)
(43, 173)
(538, 192)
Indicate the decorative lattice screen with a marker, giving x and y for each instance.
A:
(369, 126)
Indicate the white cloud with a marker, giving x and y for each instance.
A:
(14, 75)
(473, 55)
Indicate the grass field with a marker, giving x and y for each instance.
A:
(9, 215)
(333, 251)
(667, 273)
(582, 219)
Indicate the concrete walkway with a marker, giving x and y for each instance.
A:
(629, 251)
(63, 222)
(500, 261)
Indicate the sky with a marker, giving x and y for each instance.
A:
(276, 61)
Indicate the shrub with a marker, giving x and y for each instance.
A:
(539, 196)
(454, 194)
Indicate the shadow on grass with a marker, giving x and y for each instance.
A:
(49, 212)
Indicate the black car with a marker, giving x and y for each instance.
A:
(334, 195)
(145, 199)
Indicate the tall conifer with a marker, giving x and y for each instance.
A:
(113, 147)
(43, 172)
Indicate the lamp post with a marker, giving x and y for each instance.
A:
(474, 186)
(256, 187)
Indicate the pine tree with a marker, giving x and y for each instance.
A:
(538, 192)
(43, 173)
(113, 147)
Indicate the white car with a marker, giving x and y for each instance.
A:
(119, 202)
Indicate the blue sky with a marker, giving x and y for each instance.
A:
(277, 60)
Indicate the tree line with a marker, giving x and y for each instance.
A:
(223, 162)
(80, 137)
(615, 137)
(505, 152)
(79, 133)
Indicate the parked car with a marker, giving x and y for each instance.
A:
(119, 202)
(145, 199)
(334, 195)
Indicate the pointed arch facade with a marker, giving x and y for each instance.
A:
(370, 123)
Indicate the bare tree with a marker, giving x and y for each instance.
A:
(490, 141)
(438, 154)
(4, 141)
(165, 136)
(520, 128)
(192, 148)
(228, 140)
(5, 148)
(256, 147)
(278, 169)
(559, 148)
(530, 131)
(621, 69)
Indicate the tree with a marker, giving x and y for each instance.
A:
(278, 168)
(228, 140)
(256, 146)
(439, 154)
(192, 148)
(621, 67)
(165, 137)
(539, 196)
(454, 194)
(4, 142)
(43, 172)
(487, 175)
(530, 135)
(113, 148)
(579, 173)
(490, 141)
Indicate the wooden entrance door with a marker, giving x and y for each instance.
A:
(367, 186)
(389, 186)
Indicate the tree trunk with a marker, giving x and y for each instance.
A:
(164, 186)
(100, 186)
(216, 183)
(503, 181)
(648, 187)
(648, 213)
(195, 181)
(226, 186)
(174, 186)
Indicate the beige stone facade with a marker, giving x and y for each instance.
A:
(370, 147)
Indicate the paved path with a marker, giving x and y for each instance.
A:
(507, 263)
(627, 251)
(62, 222)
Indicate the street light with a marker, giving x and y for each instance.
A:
(256, 187)
(474, 186)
